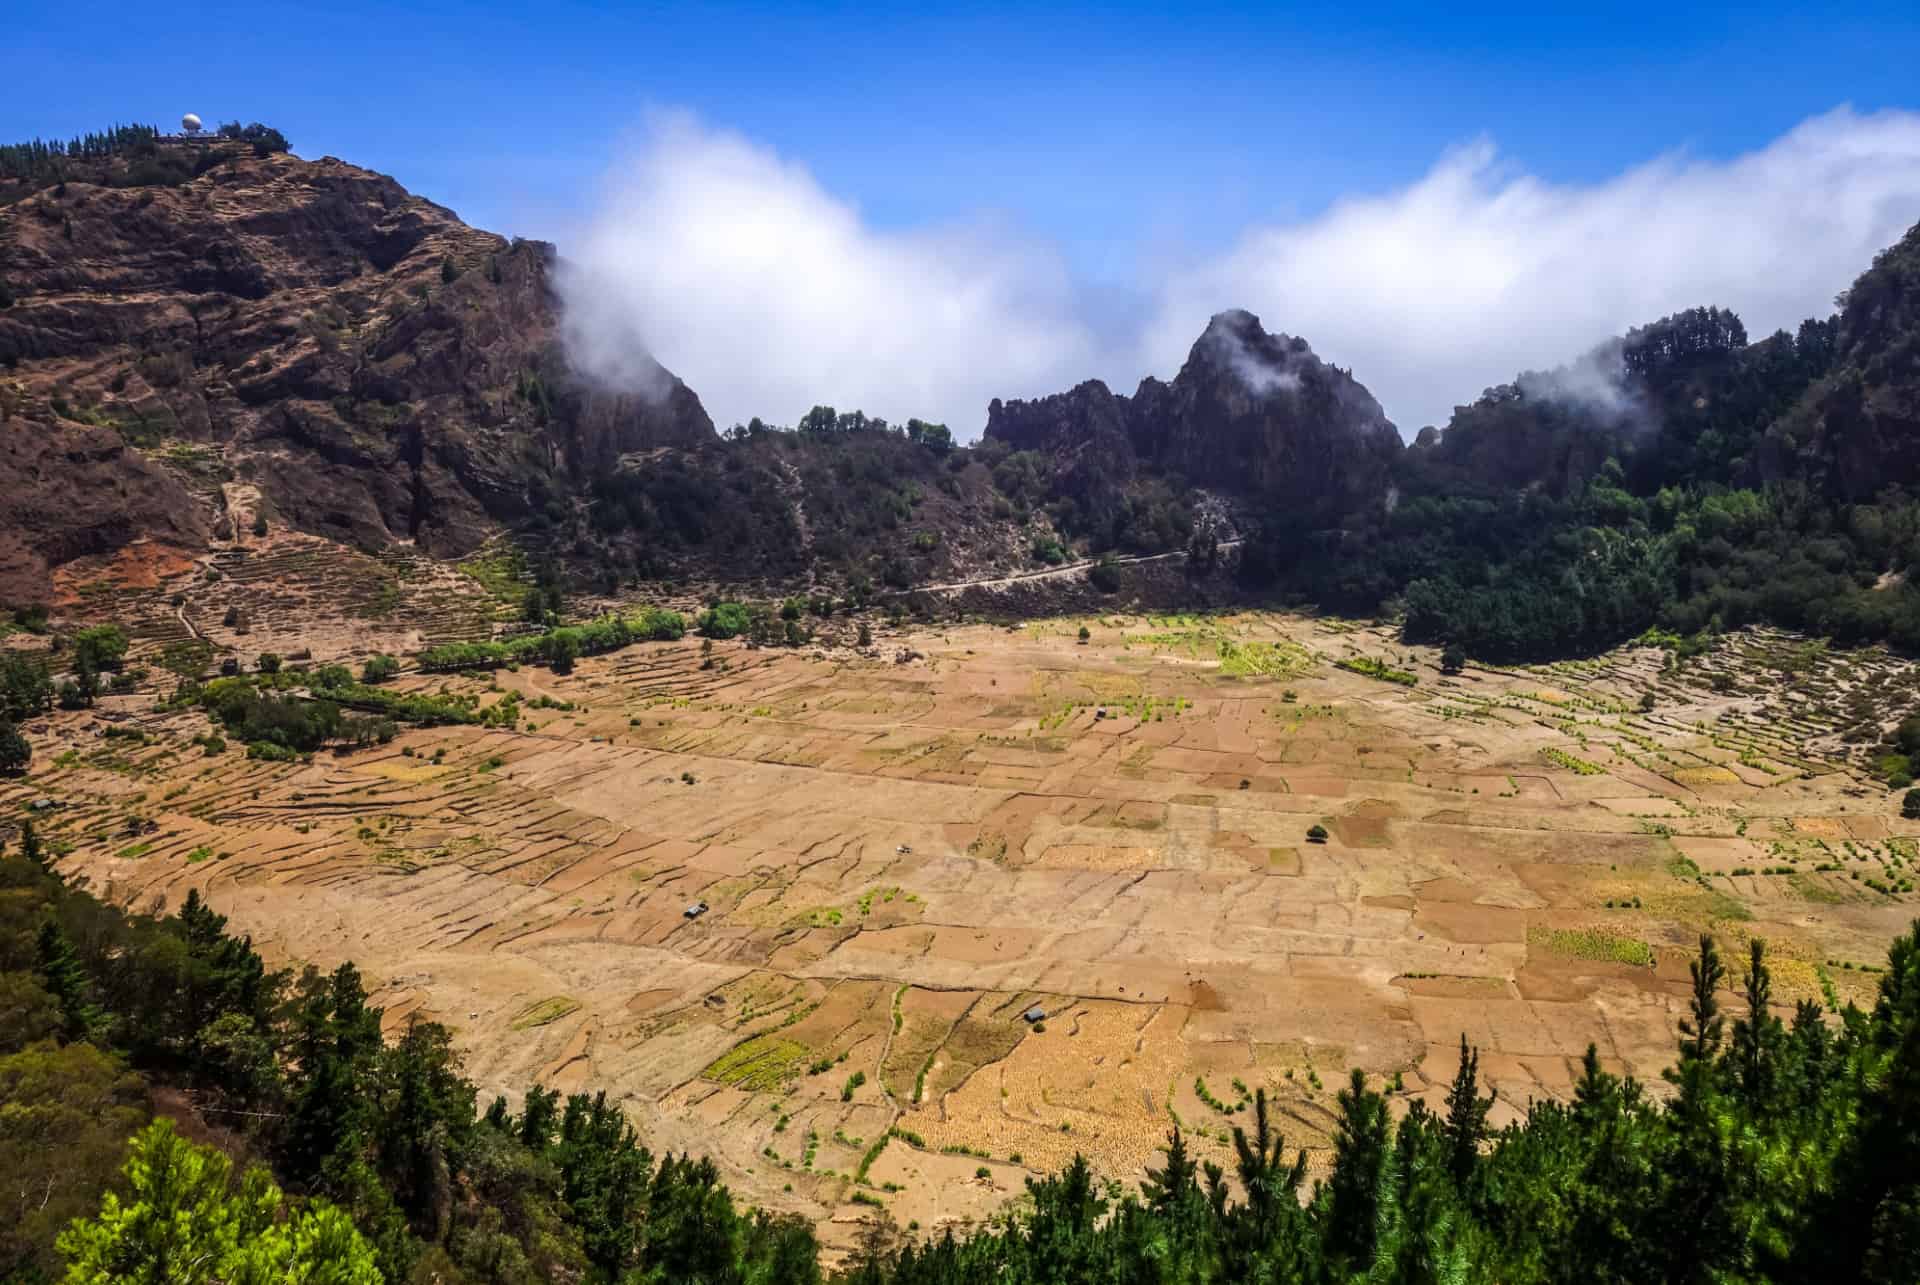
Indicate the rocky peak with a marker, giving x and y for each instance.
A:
(1234, 342)
(1250, 413)
(1257, 412)
(1088, 417)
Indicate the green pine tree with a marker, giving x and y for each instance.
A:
(65, 978)
(1466, 1126)
(184, 1222)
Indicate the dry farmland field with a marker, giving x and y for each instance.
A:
(903, 852)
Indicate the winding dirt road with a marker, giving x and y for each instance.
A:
(1048, 573)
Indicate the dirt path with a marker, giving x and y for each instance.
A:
(795, 492)
(1047, 573)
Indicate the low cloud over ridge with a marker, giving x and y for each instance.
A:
(767, 293)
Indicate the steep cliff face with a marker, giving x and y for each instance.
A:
(374, 367)
(1857, 431)
(1258, 412)
(1250, 413)
(1085, 433)
(73, 492)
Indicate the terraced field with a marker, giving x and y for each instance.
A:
(903, 858)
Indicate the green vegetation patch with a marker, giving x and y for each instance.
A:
(765, 1062)
(1578, 766)
(1379, 669)
(1596, 944)
(551, 1009)
(557, 647)
(501, 571)
(1239, 658)
(1263, 659)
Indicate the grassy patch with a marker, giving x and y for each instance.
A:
(1379, 669)
(884, 895)
(1578, 766)
(551, 1009)
(872, 1154)
(1596, 944)
(501, 571)
(988, 847)
(1813, 889)
(1720, 905)
(763, 1062)
(1262, 659)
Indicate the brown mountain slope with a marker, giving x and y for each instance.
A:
(303, 339)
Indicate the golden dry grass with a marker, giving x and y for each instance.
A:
(898, 858)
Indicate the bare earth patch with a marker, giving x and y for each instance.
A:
(1019, 897)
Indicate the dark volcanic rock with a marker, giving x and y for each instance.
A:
(1250, 413)
(1084, 432)
(70, 492)
(1261, 413)
(377, 368)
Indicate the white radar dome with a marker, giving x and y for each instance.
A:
(190, 123)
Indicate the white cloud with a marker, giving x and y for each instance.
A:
(1477, 272)
(767, 293)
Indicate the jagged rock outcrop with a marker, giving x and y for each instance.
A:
(1250, 413)
(379, 370)
(1087, 436)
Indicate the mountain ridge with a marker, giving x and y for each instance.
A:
(205, 342)
(304, 339)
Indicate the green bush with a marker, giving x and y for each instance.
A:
(15, 752)
(26, 688)
(227, 1230)
(103, 645)
(1373, 668)
(725, 620)
(609, 633)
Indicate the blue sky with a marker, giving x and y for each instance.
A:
(1100, 126)
(1122, 138)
